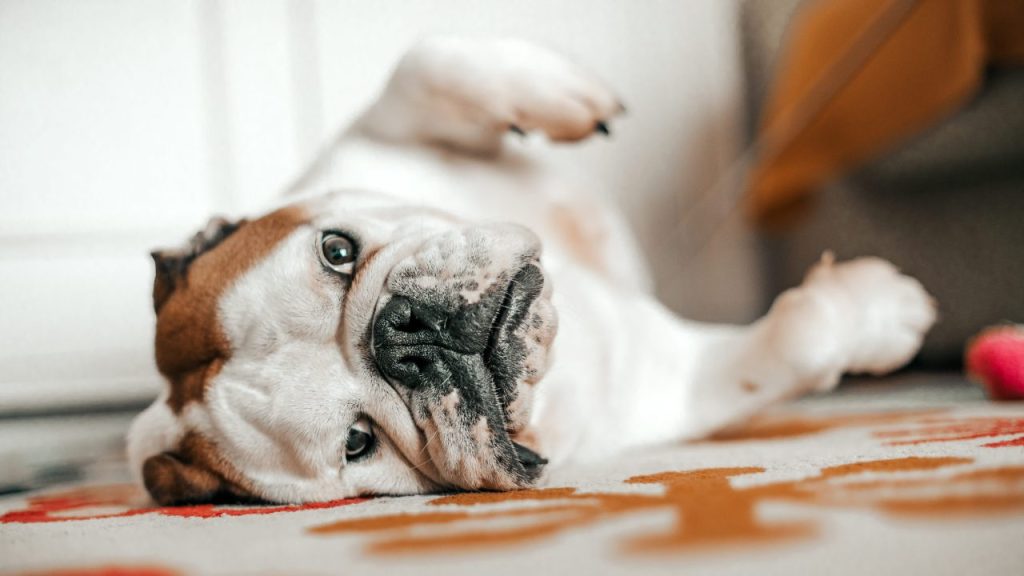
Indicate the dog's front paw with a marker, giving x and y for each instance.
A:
(884, 315)
(516, 86)
(547, 92)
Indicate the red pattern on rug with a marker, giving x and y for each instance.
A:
(92, 502)
(108, 571)
(933, 430)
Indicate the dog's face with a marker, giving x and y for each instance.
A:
(346, 346)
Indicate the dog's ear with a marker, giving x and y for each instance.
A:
(172, 482)
(172, 263)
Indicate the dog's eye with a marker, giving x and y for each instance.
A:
(338, 252)
(360, 440)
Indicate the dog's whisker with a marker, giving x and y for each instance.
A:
(426, 445)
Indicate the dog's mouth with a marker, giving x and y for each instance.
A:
(459, 370)
(501, 355)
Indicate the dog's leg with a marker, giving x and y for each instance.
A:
(467, 94)
(861, 316)
(657, 378)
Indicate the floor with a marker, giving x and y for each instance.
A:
(906, 475)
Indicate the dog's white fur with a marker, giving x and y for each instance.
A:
(623, 371)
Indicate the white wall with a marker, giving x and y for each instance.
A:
(125, 123)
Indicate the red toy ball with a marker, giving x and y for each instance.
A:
(995, 359)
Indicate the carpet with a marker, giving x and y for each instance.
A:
(912, 475)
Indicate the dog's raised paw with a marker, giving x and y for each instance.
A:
(885, 314)
(519, 86)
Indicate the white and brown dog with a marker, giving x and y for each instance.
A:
(391, 329)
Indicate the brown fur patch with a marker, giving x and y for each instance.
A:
(170, 481)
(190, 344)
(582, 233)
(194, 473)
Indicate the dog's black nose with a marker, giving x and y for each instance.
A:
(404, 337)
(431, 340)
(406, 316)
(416, 343)
(411, 318)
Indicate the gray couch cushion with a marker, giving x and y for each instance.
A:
(946, 206)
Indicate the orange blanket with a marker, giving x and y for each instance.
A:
(859, 76)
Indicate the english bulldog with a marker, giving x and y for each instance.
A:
(431, 310)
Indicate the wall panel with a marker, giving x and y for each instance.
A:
(104, 154)
(125, 123)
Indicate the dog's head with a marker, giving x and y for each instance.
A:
(345, 346)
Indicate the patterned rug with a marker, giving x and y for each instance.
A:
(918, 475)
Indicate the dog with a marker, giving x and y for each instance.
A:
(429, 309)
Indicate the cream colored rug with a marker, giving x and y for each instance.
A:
(918, 475)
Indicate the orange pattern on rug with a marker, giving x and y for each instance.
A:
(708, 510)
(926, 427)
(776, 428)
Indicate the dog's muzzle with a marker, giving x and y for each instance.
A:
(428, 351)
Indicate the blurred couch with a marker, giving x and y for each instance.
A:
(947, 206)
